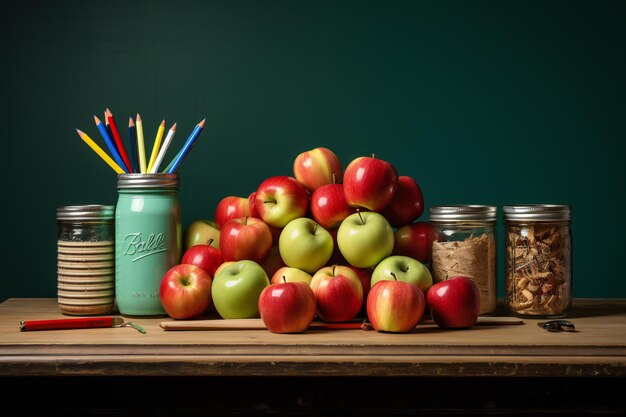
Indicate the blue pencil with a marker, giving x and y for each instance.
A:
(134, 161)
(173, 166)
(109, 142)
(167, 168)
(109, 132)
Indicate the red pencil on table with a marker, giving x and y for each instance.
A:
(118, 140)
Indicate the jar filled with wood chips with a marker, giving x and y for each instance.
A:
(466, 246)
(538, 260)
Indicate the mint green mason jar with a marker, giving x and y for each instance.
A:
(147, 240)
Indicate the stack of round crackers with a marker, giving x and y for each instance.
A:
(86, 277)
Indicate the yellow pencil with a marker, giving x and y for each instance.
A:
(157, 145)
(141, 149)
(93, 145)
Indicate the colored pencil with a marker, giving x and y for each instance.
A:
(108, 141)
(167, 168)
(157, 145)
(163, 150)
(133, 145)
(118, 141)
(141, 148)
(100, 152)
(186, 147)
(108, 129)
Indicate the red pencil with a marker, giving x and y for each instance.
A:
(118, 140)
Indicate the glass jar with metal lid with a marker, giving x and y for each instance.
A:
(86, 223)
(147, 240)
(466, 246)
(85, 259)
(538, 259)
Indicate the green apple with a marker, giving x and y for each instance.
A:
(201, 232)
(365, 238)
(236, 289)
(287, 274)
(405, 269)
(305, 245)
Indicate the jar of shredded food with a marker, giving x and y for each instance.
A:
(466, 246)
(538, 260)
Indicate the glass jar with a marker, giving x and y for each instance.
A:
(147, 240)
(538, 260)
(87, 223)
(466, 245)
(85, 260)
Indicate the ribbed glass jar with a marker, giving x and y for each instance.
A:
(85, 260)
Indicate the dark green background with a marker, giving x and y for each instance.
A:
(497, 102)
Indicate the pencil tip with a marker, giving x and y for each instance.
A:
(95, 118)
(173, 127)
(201, 124)
(130, 122)
(138, 117)
(163, 122)
(79, 131)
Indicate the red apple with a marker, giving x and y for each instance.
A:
(338, 293)
(273, 262)
(317, 167)
(329, 206)
(407, 203)
(206, 257)
(370, 183)
(416, 241)
(245, 238)
(365, 276)
(395, 306)
(185, 291)
(252, 204)
(231, 207)
(281, 199)
(336, 258)
(287, 307)
(454, 303)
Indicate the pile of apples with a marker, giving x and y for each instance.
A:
(324, 242)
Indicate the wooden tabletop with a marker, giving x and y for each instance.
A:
(598, 348)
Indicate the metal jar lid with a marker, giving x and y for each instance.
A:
(147, 181)
(89, 212)
(538, 212)
(463, 213)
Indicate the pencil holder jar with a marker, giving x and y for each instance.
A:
(147, 240)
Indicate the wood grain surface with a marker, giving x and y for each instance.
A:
(597, 348)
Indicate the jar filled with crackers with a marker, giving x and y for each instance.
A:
(466, 246)
(538, 260)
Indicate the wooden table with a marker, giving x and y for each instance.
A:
(482, 355)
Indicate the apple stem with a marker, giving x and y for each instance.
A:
(360, 217)
(334, 178)
(284, 279)
(245, 221)
(210, 241)
(373, 155)
(334, 266)
(314, 227)
(393, 274)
